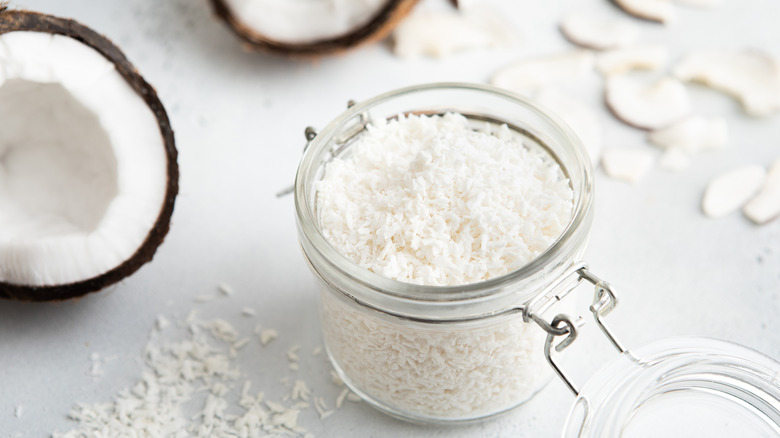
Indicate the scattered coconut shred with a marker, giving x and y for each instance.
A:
(194, 373)
(431, 200)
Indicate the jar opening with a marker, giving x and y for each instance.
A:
(480, 104)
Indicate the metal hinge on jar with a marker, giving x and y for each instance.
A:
(604, 302)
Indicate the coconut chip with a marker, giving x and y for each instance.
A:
(441, 33)
(528, 75)
(580, 118)
(674, 160)
(692, 135)
(766, 205)
(751, 77)
(627, 164)
(596, 33)
(728, 192)
(661, 11)
(620, 61)
(645, 105)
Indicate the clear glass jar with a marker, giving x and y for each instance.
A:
(442, 354)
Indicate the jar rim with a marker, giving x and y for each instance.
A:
(308, 222)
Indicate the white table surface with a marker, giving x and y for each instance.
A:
(239, 119)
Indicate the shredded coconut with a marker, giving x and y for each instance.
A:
(431, 200)
(437, 200)
(225, 289)
(193, 372)
(268, 335)
(248, 311)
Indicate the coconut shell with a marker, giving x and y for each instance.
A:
(377, 28)
(15, 20)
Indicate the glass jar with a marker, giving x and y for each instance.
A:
(433, 353)
(460, 353)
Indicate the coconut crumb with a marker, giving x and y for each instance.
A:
(300, 391)
(248, 311)
(322, 408)
(222, 329)
(335, 378)
(225, 289)
(161, 323)
(19, 411)
(340, 399)
(354, 397)
(292, 353)
(317, 351)
(241, 344)
(294, 366)
(203, 298)
(268, 335)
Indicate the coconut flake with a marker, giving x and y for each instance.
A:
(705, 4)
(441, 33)
(621, 61)
(225, 289)
(661, 11)
(627, 164)
(645, 105)
(751, 77)
(728, 192)
(248, 311)
(592, 32)
(579, 116)
(527, 75)
(766, 205)
(692, 135)
(674, 160)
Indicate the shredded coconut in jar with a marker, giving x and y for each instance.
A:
(440, 200)
(430, 200)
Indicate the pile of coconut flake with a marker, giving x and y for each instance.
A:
(435, 200)
(197, 372)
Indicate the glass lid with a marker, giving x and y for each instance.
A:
(684, 387)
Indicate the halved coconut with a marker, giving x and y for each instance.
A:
(310, 27)
(591, 32)
(645, 105)
(751, 77)
(661, 11)
(88, 172)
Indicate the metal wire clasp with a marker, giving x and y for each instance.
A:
(604, 301)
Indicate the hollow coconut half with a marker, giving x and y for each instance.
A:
(310, 27)
(88, 172)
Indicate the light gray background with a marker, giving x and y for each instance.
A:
(239, 120)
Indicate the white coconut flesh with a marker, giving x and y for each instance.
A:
(303, 21)
(83, 169)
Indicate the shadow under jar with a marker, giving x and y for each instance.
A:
(441, 354)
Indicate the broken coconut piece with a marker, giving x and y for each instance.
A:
(580, 118)
(661, 11)
(692, 135)
(87, 159)
(620, 61)
(645, 105)
(766, 205)
(707, 4)
(674, 160)
(627, 164)
(591, 32)
(527, 75)
(751, 77)
(310, 28)
(728, 192)
(441, 33)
